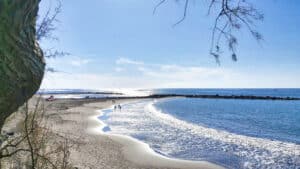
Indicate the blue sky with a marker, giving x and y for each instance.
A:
(121, 44)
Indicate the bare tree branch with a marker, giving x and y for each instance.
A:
(46, 27)
(158, 5)
(234, 13)
(35, 142)
(231, 16)
(184, 13)
(210, 6)
(52, 53)
(45, 30)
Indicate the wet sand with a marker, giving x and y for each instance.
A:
(77, 120)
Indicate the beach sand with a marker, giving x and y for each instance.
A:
(77, 120)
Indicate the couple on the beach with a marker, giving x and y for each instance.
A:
(117, 107)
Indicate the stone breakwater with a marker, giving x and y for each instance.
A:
(156, 96)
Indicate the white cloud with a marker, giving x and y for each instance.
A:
(124, 61)
(172, 75)
(185, 76)
(93, 81)
(119, 69)
(136, 74)
(141, 75)
(78, 61)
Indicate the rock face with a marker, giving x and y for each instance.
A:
(21, 59)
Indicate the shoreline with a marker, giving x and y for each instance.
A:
(242, 142)
(77, 120)
(141, 153)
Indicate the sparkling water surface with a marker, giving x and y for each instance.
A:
(230, 132)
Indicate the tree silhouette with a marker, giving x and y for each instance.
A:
(230, 17)
(21, 59)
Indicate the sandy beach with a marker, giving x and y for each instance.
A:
(77, 120)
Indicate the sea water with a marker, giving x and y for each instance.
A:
(230, 132)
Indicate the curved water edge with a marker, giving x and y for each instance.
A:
(260, 147)
(225, 136)
(237, 151)
(140, 153)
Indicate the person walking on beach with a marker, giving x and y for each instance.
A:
(120, 108)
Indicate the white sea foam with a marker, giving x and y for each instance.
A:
(141, 153)
(274, 149)
(224, 136)
(145, 118)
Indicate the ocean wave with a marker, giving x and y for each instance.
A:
(266, 151)
(173, 137)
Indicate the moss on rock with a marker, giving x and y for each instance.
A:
(21, 59)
